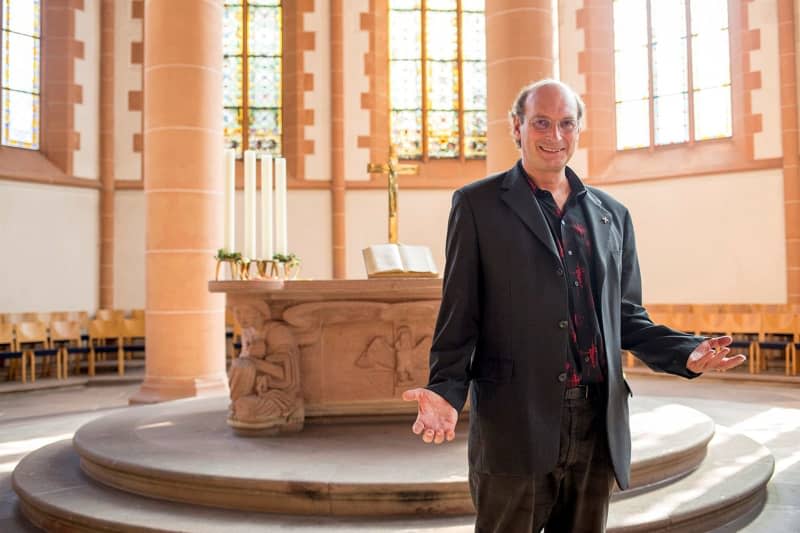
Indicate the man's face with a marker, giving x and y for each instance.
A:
(549, 133)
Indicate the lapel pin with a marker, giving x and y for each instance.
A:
(605, 220)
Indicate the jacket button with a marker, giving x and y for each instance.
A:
(562, 377)
(559, 272)
(563, 324)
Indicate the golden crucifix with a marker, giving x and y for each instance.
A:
(393, 168)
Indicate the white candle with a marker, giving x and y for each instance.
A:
(229, 222)
(281, 236)
(249, 251)
(266, 207)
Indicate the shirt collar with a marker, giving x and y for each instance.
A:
(577, 188)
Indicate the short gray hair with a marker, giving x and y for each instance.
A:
(518, 108)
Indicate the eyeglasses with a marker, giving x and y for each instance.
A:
(567, 125)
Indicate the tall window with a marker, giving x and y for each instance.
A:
(251, 74)
(437, 58)
(672, 71)
(20, 49)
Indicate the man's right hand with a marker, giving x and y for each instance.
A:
(436, 418)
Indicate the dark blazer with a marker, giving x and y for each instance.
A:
(502, 330)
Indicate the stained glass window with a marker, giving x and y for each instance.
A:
(672, 71)
(20, 50)
(251, 75)
(437, 72)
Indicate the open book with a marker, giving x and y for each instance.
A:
(399, 261)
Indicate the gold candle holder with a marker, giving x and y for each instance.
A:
(291, 269)
(267, 268)
(244, 269)
(233, 268)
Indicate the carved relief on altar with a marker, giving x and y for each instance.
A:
(404, 355)
(362, 351)
(265, 386)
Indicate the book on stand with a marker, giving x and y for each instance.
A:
(399, 261)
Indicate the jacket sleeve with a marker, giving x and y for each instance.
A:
(661, 348)
(458, 323)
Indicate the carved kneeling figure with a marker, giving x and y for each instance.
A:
(265, 378)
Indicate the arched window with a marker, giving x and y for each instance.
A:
(252, 75)
(437, 62)
(20, 51)
(672, 71)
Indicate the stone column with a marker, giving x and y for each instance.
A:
(519, 50)
(183, 186)
(107, 154)
(789, 124)
(338, 185)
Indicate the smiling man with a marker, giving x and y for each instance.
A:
(541, 293)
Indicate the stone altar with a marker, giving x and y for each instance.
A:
(332, 349)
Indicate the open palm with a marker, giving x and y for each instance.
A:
(436, 418)
(713, 354)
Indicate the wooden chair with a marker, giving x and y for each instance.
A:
(745, 328)
(714, 324)
(15, 318)
(229, 324)
(137, 314)
(237, 339)
(110, 315)
(33, 340)
(81, 317)
(686, 322)
(779, 332)
(133, 339)
(9, 352)
(105, 337)
(659, 315)
(65, 335)
(795, 366)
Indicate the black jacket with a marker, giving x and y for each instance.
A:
(502, 330)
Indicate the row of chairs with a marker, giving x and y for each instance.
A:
(753, 331)
(82, 317)
(22, 343)
(233, 336)
(700, 309)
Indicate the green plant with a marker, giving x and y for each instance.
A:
(291, 258)
(224, 255)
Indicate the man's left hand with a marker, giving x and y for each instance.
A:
(712, 354)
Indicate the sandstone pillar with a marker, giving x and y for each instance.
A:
(107, 154)
(338, 185)
(183, 186)
(519, 50)
(789, 123)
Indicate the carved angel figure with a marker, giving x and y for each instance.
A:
(399, 356)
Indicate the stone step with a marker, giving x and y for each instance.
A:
(56, 496)
(184, 451)
(729, 483)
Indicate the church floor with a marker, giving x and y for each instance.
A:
(766, 412)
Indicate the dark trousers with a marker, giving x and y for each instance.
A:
(572, 498)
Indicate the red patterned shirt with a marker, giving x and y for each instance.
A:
(575, 248)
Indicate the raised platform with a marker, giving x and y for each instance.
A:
(345, 476)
